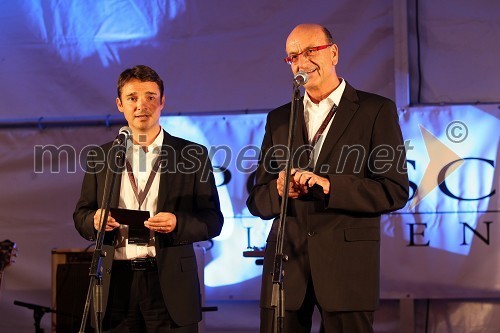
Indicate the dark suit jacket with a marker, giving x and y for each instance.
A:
(187, 189)
(335, 239)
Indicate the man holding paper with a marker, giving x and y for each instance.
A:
(166, 184)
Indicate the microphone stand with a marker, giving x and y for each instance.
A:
(278, 292)
(38, 312)
(94, 292)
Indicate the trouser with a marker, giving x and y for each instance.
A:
(135, 302)
(300, 321)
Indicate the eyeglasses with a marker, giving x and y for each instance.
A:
(310, 52)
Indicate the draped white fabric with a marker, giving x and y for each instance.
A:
(213, 55)
(442, 246)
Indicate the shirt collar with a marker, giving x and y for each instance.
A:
(154, 147)
(333, 98)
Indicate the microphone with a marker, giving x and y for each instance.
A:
(300, 78)
(124, 134)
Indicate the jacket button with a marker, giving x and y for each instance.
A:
(311, 233)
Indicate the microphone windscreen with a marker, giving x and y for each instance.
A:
(300, 78)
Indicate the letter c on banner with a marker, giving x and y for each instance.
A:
(444, 188)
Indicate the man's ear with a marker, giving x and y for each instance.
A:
(335, 54)
(163, 102)
(119, 104)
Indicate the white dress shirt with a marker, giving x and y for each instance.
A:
(141, 161)
(314, 114)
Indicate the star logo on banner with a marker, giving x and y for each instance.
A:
(440, 156)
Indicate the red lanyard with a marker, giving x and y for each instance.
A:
(322, 128)
(318, 134)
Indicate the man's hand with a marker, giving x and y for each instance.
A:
(294, 189)
(300, 181)
(162, 222)
(110, 224)
(307, 179)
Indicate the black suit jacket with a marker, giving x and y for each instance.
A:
(187, 189)
(334, 239)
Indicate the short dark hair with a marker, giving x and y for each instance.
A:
(328, 35)
(142, 73)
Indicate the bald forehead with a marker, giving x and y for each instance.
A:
(304, 36)
(308, 27)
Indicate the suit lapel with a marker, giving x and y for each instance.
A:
(168, 160)
(347, 108)
(301, 140)
(116, 190)
(117, 171)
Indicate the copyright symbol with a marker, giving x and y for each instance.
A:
(457, 131)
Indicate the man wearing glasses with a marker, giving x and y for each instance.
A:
(352, 171)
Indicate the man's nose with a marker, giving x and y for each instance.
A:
(140, 104)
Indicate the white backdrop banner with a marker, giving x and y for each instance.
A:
(444, 243)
